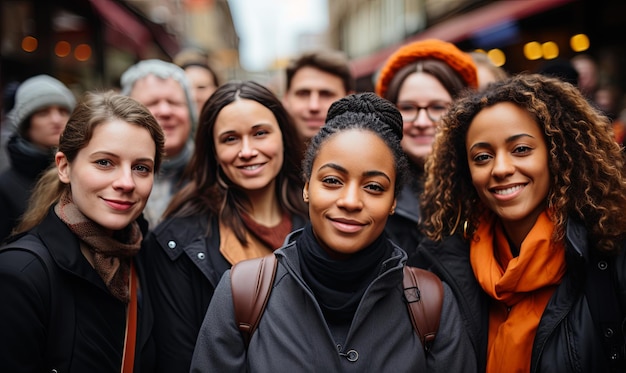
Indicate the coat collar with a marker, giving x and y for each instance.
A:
(576, 237)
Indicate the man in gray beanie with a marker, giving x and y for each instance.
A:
(42, 107)
(164, 89)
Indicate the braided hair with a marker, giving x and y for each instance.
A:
(363, 111)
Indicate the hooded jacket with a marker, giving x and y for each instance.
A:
(567, 338)
(293, 335)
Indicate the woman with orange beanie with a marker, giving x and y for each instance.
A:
(423, 79)
(524, 203)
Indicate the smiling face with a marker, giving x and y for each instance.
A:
(351, 191)
(508, 162)
(248, 145)
(423, 90)
(111, 178)
(166, 100)
(311, 93)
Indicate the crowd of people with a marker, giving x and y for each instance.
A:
(125, 214)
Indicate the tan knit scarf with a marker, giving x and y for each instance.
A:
(111, 253)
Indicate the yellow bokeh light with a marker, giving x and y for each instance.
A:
(579, 42)
(550, 50)
(62, 49)
(497, 57)
(29, 44)
(82, 52)
(532, 50)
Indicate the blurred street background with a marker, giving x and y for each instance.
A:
(88, 43)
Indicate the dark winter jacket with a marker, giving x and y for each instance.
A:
(184, 266)
(87, 333)
(293, 335)
(402, 226)
(17, 182)
(567, 339)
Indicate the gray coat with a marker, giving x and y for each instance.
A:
(293, 336)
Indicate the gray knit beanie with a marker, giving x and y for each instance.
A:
(163, 70)
(36, 93)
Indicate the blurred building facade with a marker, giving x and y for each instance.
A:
(370, 30)
(88, 44)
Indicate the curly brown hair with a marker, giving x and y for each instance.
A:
(585, 163)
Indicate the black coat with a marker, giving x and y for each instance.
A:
(17, 182)
(91, 325)
(184, 266)
(567, 339)
(402, 227)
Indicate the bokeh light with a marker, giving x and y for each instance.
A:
(62, 49)
(550, 50)
(532, 50)
(497, 57)
(579, 42)
(29, 44)
(82, 52)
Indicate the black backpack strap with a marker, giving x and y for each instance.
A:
(423, 293)
(606, 309)
(251, 285)
(60, 332)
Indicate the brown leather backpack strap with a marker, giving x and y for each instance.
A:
(251, 285)
(423, 293)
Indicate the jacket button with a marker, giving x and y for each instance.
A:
(608, 332)
(171, 244)
(200, 256)
(603, 265)
(352, 356)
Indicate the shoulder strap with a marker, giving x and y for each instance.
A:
(251, 284)
(249, 301)
(59, 340)
(423, 293)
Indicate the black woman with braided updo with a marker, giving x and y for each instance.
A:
(336, 303)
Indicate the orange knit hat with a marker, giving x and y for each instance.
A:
(460, 61)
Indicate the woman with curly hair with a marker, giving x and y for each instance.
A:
(525, 208)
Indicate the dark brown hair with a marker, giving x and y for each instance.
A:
(209, 191)
(329, 61)
(586, 165)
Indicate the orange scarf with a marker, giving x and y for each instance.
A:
(519, 287)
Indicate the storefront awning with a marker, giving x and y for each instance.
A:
(461, 28)
(127, 30)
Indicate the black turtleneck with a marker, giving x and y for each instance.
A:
(339, 284)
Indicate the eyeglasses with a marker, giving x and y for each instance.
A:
(411, 111)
